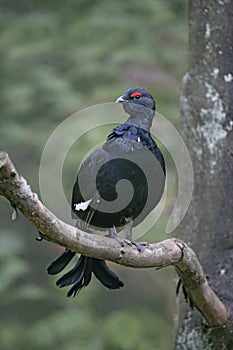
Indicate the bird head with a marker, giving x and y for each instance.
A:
(137, 101)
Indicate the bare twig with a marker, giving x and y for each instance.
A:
(169, 252)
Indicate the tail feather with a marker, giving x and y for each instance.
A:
(85, 279)
(74, 275)
(80, 275)
(106, 276)
(61, 262)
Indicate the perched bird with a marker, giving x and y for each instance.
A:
(129, 153)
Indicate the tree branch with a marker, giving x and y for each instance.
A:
(169, 252)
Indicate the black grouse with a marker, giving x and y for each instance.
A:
(129, 153)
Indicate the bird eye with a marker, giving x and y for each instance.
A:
(136, 95)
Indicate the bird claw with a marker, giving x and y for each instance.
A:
(139, 245)
(130, 242)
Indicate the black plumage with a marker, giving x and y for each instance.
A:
(127, 154)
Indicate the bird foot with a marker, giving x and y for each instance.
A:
(139, 245)
(130, 242)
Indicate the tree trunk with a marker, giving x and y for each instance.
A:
(207, 109)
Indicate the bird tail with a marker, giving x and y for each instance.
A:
(80, 275)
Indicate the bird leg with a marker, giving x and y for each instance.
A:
(129, 231)
(112, 232)
(128, 236)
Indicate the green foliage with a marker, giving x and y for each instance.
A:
(125, 331)
(56, 58)
(64, 328)
(121, 330)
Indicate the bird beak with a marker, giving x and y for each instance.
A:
(120, 99)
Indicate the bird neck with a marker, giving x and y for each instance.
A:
(143, 121)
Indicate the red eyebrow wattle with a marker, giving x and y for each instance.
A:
(136, 93)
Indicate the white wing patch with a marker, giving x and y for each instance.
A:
(82, 206)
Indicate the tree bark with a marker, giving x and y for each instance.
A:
(207, 109)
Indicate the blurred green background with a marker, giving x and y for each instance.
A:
(57, 58)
